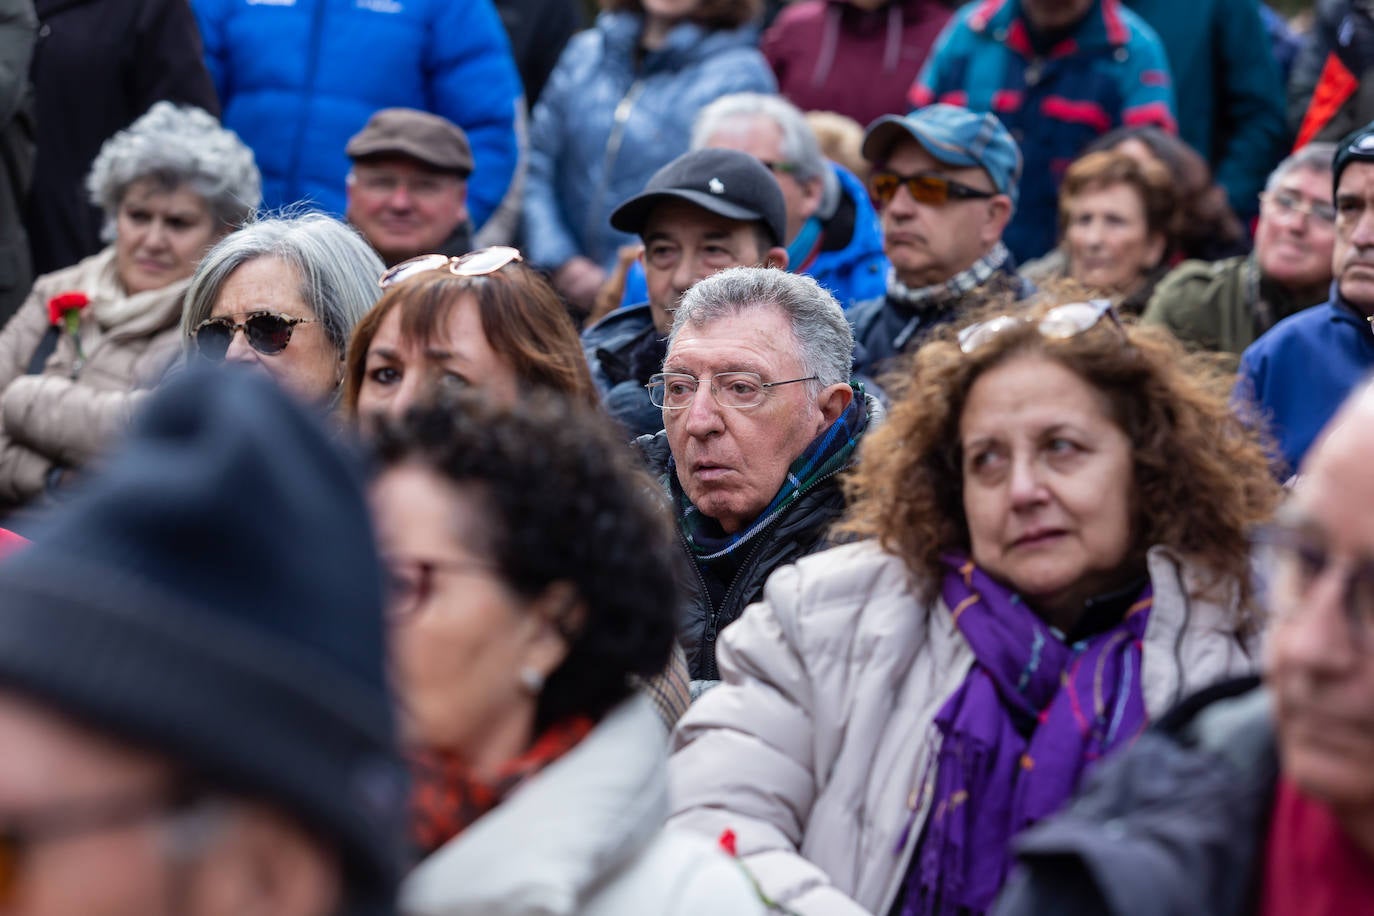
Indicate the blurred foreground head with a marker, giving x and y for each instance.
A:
(192, 698)
(1321, 646)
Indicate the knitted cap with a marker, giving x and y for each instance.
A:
(214, 596)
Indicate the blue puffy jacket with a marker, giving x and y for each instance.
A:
(297, 78)
(603, 126)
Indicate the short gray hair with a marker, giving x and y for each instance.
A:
(338, 270)
(177, 146)
(1314, 157)
(825, 342)
(799, 145)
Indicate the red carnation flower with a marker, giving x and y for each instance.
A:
(64, 304)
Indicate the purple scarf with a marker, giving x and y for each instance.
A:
(1033, 715)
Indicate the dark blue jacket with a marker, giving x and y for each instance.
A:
(619, 350)
(296, 79)
(1230, 100)
(1303, 368)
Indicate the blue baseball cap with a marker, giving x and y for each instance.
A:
(954, 136)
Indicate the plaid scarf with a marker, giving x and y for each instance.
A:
(447, 798)
(966, 281)
(1033, 716)
(828, 453)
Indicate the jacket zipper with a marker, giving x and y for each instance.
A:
(621, 116)
(293, 175)
(713, 619)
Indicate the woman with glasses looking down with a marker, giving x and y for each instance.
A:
(533, 586)
(90, 338)
(1054, 524)
(484, 320)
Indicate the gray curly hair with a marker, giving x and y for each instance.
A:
(177, 146)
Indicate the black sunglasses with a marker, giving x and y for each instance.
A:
(266, 332)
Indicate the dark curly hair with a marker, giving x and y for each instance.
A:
(1202, 477)
(563, 503)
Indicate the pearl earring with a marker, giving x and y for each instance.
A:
(531, 679)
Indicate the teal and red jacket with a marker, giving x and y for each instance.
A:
(1109, 72)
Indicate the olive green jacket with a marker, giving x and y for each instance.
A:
(1223, 305)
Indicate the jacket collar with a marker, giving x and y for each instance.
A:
(584, 817)
(1102, 27)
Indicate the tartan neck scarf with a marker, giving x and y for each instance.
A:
(965, 281)
(447, 798)
(829, 452)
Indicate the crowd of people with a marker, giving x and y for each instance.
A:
(821, 458)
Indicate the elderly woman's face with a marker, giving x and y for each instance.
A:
(1047, 484)
(460, 636)
(161, 235)
(1109, 242)
(309, 366)
(401, 372)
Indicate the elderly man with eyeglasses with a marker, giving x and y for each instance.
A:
(759, 419)
(1248, 798)
(944, 181)
(1226, 305)
(1300, 371)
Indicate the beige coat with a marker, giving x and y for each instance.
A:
(813, 747)
(62, 417)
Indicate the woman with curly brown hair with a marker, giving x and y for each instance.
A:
(1055, 517)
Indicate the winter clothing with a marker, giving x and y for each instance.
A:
(1222, 305)
(448, 797)
(298, 79)
(605, 124)
(269, 684)
(725, 182)
(1300, 371)
(830, 55)
(65, 415)
(842, 251)
(18, 26)
(729, 573)
(623, 350)
(538, 31)
(846, 256)
(1231, 108)
(1357, 146)
(824, 720)
(1331, 91)
(899, 320)
(1108, 72)
(1283, 41)
(584, 836)
(98, 66)
(1174, 826)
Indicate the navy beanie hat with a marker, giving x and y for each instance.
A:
(214, 595)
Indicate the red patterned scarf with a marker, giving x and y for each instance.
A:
(448, 798)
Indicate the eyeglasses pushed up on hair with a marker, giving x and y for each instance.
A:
(740, 390)
(926, 188)
(477, 263)
(266, 332)
(1059, 323)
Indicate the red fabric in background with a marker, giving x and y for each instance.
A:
(9, 541)
(1311, 868)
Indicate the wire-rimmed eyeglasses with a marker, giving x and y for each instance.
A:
(740, 390)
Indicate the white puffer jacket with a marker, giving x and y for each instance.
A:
(813, 748)
(585, 837)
